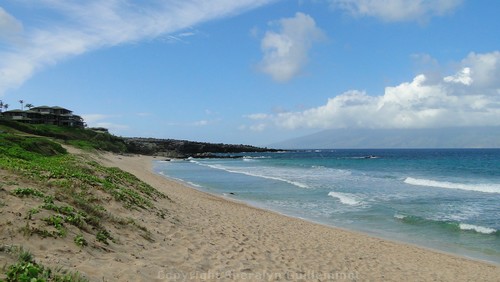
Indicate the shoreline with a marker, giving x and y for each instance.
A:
(266, 241)
(379, 234)
(327, 225)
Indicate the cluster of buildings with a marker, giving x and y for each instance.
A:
(45, 115)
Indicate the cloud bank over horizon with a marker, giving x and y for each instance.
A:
(469, 97)
(77, 27)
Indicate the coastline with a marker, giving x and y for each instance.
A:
(218, 238)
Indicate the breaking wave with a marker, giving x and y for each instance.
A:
(486, 188)
(345, 198)
(254, 174)
(449, 225)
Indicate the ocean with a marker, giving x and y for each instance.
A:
(443, 199)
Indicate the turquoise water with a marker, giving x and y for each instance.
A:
(442, 199)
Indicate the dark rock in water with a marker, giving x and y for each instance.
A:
(232, 193)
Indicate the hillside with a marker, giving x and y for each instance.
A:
(185, 149)
(67, 203)
(100, 140)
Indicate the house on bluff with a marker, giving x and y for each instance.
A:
(46, 115)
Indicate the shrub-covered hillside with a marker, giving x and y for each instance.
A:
(48, 194)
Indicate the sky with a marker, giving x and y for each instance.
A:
(254, 71)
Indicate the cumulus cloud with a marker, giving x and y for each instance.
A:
(462, 77)
(76, 27)
(470, 97)
(485, 69)
(286, 50)
(397, 10)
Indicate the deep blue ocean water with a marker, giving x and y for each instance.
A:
(444, 199)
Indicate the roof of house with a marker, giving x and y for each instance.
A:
(14, 111)
(59, 108)
(49, 107)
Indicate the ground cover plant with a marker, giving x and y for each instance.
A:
(68, 197)
(27, 269)
(78, 137)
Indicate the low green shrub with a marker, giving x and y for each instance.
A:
(23, 192)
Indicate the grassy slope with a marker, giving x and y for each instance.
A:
(61, 196)
(81, 138)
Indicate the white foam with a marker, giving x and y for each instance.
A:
(486, 188)
(399, 216)
(479, 229)
(194, 184)
(258, 157)
(345, 198)
(295, 183)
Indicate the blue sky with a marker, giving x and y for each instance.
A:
(254, 72)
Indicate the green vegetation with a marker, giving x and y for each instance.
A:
(103, 236)
(71, 194)
(81, 138)
(22, 192)
(27, 270)
(80, 241)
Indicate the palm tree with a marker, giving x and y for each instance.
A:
(1, 106)
(22, 104)
(29, 106)
(5, 106)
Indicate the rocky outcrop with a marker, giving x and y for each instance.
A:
(171, 148)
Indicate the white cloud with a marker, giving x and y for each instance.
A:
(462, 77)
(470, 97)
(286, 51)
(99, 120)
(397, 10)
(10, 27)
(258, 127)
(94, 118)
(113, 127)
(201, 123)
(76, 27)
(257, 116)
(485, 68)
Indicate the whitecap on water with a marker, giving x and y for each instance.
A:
(486, 188)
(479, 229)
(345, 198)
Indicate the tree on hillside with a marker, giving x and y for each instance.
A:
(1, 106)
(29, 106)
(22, 104)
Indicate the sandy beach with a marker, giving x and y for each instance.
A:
(205, 237)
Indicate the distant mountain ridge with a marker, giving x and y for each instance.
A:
(452, 137)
